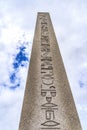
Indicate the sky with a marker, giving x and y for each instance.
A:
(17, 25)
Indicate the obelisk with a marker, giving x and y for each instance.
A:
(48, 102)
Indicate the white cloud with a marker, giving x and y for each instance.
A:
(10, 108)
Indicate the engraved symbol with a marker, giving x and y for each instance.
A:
(53, 94)
(50, 123)
(50, 114)
(49, 105)
(43, 93)
(48, 68)
(46, 58)
(47, 81)
(44, 38)
(43, 19)
(45, 48)
(53, 91)
(48, 99)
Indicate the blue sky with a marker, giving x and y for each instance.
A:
(17, 24)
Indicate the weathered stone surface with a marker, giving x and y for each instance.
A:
(48, 102)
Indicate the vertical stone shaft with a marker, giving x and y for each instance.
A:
(48, 102)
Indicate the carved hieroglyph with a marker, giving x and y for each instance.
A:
(48, 102)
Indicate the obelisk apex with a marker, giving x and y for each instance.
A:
(48, 101)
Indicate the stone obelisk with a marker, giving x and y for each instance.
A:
(48, 101)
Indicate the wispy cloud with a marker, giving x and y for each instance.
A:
(14, 70)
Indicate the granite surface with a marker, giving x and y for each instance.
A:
(48, 102)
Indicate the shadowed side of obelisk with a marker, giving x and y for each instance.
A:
(48, 102)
